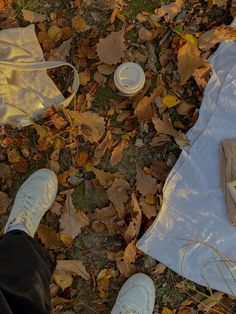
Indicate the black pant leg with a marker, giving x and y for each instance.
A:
(25, 275)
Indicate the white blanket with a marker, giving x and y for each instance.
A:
(192, 234)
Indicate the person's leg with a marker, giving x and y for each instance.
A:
(137, 296)
(25, 272)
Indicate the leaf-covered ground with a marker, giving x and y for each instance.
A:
(112, 154)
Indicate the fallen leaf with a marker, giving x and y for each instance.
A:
(117, 194)
(145, 183)
(48, 236)
(210, 38)
(54, 166)
(106, 69)
(63, 279)
(202, 75)
(184, 108)
(102, 148)
(5, 202)
(167, 311)
(84, 77)
(79, 24)
(22, 165)
(160, 170)
(147, 35)
(130, 252)
(148, 210)
(126, 269)
(115, 256)
(111, 48)
(219, 3)
(103, 281)
(3, 4)
(33, 17)
(211, 301)
(160, 140)
(105, 178)
(98, 226)
(189, 59)
(55, 33)
(90, 125)
(164, 126)
(159, 269)
(56, 208)
(170, 11)
(81, 159)
(170, 101)
(62, 52)
(117, 152)
(71, 221)
(13, 155)
(74, 266)
(144, 110)
(133, 229)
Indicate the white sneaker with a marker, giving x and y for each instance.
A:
(33, 199)
(137, 296)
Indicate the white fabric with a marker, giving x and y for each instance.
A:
(25, 88)
(192, 234)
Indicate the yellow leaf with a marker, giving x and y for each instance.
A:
(79, 24)
(103, 281)
(63, 279)
(170, 101)
(167, 311)
(190, 38)
(58, 143)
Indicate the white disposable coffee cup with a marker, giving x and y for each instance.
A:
(129, 78)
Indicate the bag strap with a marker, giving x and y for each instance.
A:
(44, 65)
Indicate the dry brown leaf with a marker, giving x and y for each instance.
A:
(33, 17)
(160, 140)
(5, 202)
(74, 266)
(48, 236)
(111, 48)
(71, 221)
(55, 33)
(106, 69)
(126, 269)
(184, 108)
(56, 208)
(102, 148)
(159, 269)
(144, 110)
(99, 78)
(233, 8)
(210, 38)
(117, 194)
(84, 77)
(117, 152)
(62, 52)
(79, 24)
(165, 126)
(210, 302)
(103, 281)
(218, 3)
(90, 125)
(148, 210)
(63, 279)
(147, 35)
(160, 170)
(98, 226)
(170, 11)
(130, 253)
(115, 256)
(202, 75)
(133, 229)
(3, 4)
(145, 183)
(105, 178)
(189, 59)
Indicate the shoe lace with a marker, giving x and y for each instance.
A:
(28, 205)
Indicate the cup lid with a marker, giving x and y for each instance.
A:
(129, 78)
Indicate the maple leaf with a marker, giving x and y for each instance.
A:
(90, 125)
(73, 266)
(210, 38)
(111, 48)
(145, 183)
(170, 11)
(33, 17)
(189, 60)
(117, 194)
(133, 229)
(71, 221)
